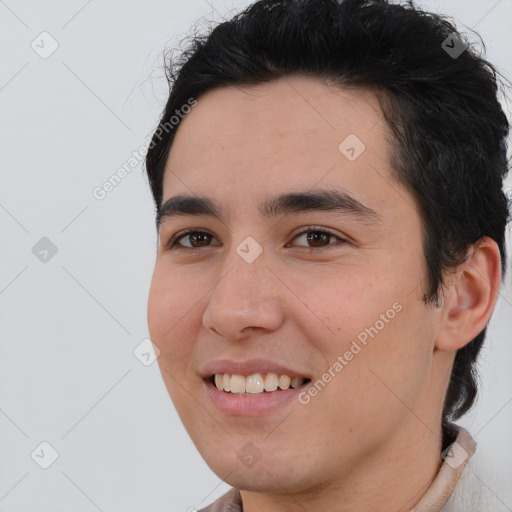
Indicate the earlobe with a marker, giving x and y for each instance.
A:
(470, 295)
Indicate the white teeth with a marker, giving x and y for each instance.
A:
(226, 382)
(284, 381)
(256, 383)
(237, 384)
(295, 382)
(218, 381)
(271, 382)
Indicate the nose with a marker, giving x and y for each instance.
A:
(246, 300)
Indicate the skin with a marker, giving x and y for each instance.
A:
(379, 420)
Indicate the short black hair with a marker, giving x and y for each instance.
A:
(439, 98)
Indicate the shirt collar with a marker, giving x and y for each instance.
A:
(456, 456)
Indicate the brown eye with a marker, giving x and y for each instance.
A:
(196, 239)
(317, 238)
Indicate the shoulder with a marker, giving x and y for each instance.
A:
(479, 488)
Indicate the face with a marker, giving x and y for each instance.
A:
(311, 268)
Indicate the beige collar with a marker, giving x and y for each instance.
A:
(456, 456)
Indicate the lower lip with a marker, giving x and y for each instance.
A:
(239, 405)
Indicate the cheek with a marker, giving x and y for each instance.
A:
(387, 376)
(171, 303)
(382, 332)
(351, 308)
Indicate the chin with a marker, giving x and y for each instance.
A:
(274, 474)
(261, 480)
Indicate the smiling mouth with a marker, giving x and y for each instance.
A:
(255, 384)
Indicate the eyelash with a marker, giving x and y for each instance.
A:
(308, 229)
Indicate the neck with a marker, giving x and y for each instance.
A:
(397, 475)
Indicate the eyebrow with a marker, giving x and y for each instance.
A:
(287, 203)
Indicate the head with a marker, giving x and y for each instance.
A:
(351, 119)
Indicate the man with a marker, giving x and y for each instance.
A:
(328, 187)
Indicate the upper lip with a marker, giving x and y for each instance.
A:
(249, 367)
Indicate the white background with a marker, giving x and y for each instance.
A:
(69, 326)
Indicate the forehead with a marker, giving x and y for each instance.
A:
(291, 132)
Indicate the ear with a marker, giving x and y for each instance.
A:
(470, 295)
